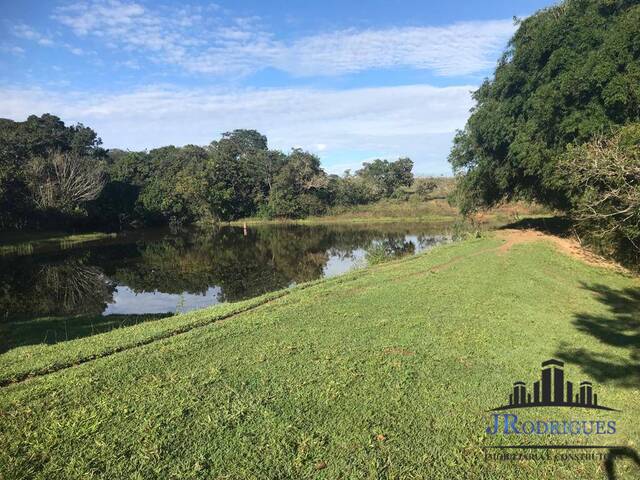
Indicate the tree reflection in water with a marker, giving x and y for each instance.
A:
(75, 287)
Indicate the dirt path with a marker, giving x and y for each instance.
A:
(568, 246)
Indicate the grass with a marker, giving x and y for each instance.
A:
(414, 211)
(53, 329)
(22, 362)
(28, 244)
(386, 372)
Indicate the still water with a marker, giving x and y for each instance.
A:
(156, 272)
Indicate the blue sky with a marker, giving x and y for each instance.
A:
(349, 81)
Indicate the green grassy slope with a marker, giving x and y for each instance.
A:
(383, 373)
(415, 211)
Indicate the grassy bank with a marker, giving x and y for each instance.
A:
(55, 329)
(411, 211)
(386, 372)
(20, 243)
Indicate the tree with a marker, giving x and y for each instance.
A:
(388, 175)
(300, 188)
(356, 190)
(21, 143)
(165, 195)
(236, 176)
(570, 72)
(134, 168)
(246, 140)
(53, 175)
(424, 187)
(65, 181)
(604, 183)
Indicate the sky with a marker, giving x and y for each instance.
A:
(349, 81)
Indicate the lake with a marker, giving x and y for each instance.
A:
(147, 274)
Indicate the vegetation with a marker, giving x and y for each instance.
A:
(388, 249)
(413, 211)
(388, 379)
(46, 169)
(52, 330)
(385, 372)
(427, 200)
(54, 176)
(387, 210)
(604, 178)
(27, 244)
(570, 75)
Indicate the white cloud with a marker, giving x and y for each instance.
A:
(415, 120)
(97, 17)
(457, 49)
(212, 43)
(25, 32)
(12, 49)
(132, 64)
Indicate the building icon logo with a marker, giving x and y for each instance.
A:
(552, 391)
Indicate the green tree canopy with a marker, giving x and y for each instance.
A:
(22, 144)
(300, 187)
(388, 175)
(570, 71)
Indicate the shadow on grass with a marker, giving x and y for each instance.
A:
(50, 330)
(621, 251)
(620, 328)
(619, 453)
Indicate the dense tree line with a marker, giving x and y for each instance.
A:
(52, 175)
(569, 77)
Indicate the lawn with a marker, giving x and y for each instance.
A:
(386, 372)
(54, 329)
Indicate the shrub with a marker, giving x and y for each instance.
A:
(604, 179)
(424, 187)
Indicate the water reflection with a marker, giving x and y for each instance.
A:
(67, 294)
(127, 301)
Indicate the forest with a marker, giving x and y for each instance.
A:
(58, 176)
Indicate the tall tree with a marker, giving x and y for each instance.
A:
(388, 175)
(65, 181)
(20, 144)
(570, 71)
(300, 188)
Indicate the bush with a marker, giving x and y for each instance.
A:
(356, 190)
(424, 187)
(465, 229)
(401, 193)
(604, 179)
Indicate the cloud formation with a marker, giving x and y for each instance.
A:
(457, 49)
(25, 32)
(211, 42)
(415, 120)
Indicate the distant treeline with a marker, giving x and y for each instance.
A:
(53, 176)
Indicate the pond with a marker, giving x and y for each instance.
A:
(147, 274)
